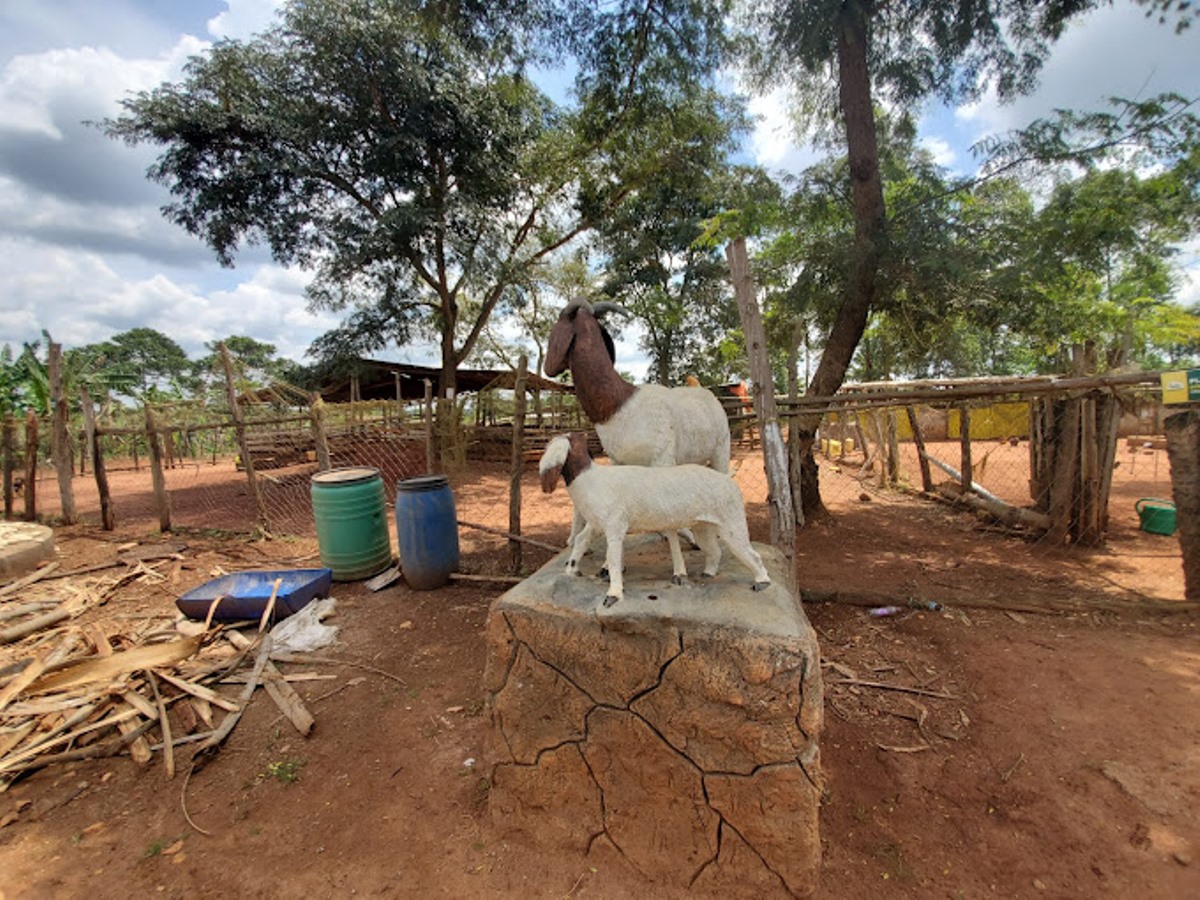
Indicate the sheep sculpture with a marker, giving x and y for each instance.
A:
(638, 425)
(642, 425)
(616, 500)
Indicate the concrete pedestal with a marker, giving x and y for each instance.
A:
(23, 547)
(678, 727)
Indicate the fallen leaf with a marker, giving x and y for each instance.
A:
(94, 828)
(454, 709)
(406, 625)
(7, 819)
(174, 848)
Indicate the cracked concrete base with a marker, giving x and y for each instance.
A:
(679, 727)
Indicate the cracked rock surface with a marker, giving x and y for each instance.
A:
(679, 726)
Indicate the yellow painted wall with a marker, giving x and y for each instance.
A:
(1000, 420)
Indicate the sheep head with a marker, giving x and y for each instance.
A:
(579, 319)
(565, 455)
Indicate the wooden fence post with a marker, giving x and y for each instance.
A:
(919, 443)
(1064, 483)
(317, 410)
(239, 427)
(1089, 474)
(964, 437)
(893, 442)
(1183, 451)
(108, 520)
(518, 464)
(161, 498)
(31, 465)
(783, 516)
(428, 427)
(60, 436)
(9, 439)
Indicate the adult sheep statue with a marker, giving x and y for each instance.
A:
(638, 425)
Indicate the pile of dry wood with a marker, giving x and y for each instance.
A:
(75, 687)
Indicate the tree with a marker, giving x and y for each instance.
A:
(675, 285)
(398, 151)
(255, 363)
(904, 53)
(1100, 264)
(136, 362)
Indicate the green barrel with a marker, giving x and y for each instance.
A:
(350, 507)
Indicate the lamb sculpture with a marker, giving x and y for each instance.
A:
(617, 500)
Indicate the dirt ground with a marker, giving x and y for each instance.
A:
(1062, 758)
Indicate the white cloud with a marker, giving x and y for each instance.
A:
(943, 154)
(773, 140)
(1114, 51)
(243, 18)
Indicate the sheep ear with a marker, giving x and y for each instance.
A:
(558, 347)
(550, 479)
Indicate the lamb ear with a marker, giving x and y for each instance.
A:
(550, 479)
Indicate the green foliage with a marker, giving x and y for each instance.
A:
(398, 150)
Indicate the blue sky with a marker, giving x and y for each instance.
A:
(85, 254)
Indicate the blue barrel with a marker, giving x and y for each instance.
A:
(426, 531)
(350, 506)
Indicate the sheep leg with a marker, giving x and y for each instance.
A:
(582, 542)
(678, 566)
(577, 526)
(615, 535)
(738, 540)
(706, 535)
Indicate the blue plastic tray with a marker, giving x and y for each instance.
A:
(244, 595)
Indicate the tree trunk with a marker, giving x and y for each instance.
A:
(870, 224)
(518, 465)
(783, 517)
(1183, 450)
(447, 435)
(60, 436)
(108, 520)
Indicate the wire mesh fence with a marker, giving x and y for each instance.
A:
(254, 471)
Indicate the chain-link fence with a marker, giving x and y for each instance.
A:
(884, 457)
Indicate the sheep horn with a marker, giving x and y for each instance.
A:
(569, 310)
(607, 306)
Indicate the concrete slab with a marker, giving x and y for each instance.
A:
(23, 546)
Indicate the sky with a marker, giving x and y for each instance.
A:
(85, 253)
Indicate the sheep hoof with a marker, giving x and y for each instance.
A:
(708, 574)
(761, 585)
(603, 573)
(609, 601)
(677, 579)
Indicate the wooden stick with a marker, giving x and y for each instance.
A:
(199, 690)
(210, 747)
(26, 580)
(26, 678)
(110, 747)
(165, 722)
(14, 633)
(883, 686)
(304, 658)
(499, 579)
(287, 700)
(99, 668)
(139, 747)
(511, 536)
(24, 609)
